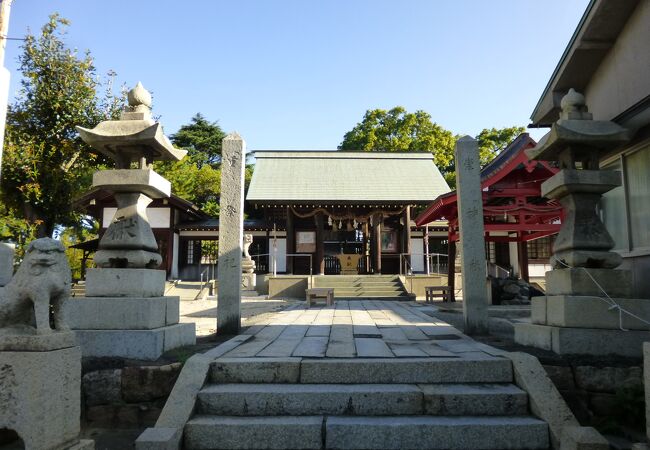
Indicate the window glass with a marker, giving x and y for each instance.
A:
(540, 248)
(613, 213)
(637, 166)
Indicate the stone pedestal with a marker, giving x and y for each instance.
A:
(40, 389)
(565, 281)
(128, 327)
(125, 314)
(125, 282)
(579, 311)
(580, 324)
(582, 341)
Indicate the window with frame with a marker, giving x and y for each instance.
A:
(540, 248)
(624, 209)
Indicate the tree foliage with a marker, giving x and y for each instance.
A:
(199, 185)
(197, 177)
(202, 140)
(493, 141)
(397, 130)
(45, 164)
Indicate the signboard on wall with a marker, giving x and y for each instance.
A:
(305, 241)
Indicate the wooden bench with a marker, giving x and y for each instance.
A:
(433, 292)
(314, 293)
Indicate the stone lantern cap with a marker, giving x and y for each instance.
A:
(577, 130)
(135, 136)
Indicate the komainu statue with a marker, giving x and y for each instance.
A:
(37, 291)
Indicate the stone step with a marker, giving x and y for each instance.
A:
(347, 293)
(465, 369)
(362, 399)
(368, 292)
(402, 298)
(362, 432)
(310, 399)
(474, 400)
(355, 277)
(425, 432)
(358, 284)
(227, 432)
(365, 289)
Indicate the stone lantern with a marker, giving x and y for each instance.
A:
(125, 313)
(583, 311)
(134, 139)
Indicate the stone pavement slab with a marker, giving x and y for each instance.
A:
(356, 329)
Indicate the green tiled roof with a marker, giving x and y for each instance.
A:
(307, 176)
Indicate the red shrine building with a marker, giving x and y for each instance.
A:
(519, 223)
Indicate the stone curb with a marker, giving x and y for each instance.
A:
(547, 404)
(168, 432)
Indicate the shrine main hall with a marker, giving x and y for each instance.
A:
(332, 212)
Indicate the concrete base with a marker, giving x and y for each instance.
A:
(111, 313)
(40, 396)
(125, 282)
(617, 283)
(582, 341)
(136, 344)
(588, 312)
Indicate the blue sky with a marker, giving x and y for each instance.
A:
(298, 74)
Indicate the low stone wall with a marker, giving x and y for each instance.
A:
(129, 396)
(288, 286)
(415, 284)
(603, 396)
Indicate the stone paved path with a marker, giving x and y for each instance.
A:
(356, 329)
(203, 313)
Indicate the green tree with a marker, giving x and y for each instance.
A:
(199, 185)
(493, 141)
(397, 130)
(45, 163)
(202, 140)
(197, 178)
